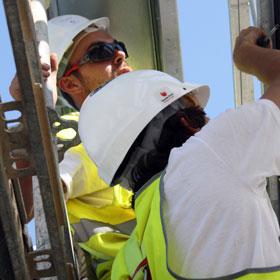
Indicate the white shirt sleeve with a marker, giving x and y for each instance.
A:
(79, 174)
(247, 139)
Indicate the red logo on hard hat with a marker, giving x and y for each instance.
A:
(163, 93)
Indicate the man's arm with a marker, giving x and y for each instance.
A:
(264, 63)
(15, 90)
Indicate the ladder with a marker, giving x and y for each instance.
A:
(31, 132)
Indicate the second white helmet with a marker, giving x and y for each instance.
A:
(113, 116)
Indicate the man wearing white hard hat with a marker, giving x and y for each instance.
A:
(101, 217)
(201, 203)
(88, 56)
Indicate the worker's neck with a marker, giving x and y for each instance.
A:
(78, 100)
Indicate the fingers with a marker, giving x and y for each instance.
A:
(54, 69)
(45, 66)
(245, 44)
(249, 57)
(45, 70)
(249, 35)
(15, 88)
(54, 62)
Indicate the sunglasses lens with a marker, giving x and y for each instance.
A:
(104, 51)
(101, 52)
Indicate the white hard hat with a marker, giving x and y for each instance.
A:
(112, 117)
(63, 29)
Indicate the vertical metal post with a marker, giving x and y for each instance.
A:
(38, 9)
(166, 37)
(40, 21)
(265, 14)
(240, 19)
(253, 8)
(277, 20)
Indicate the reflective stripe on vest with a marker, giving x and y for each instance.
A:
(101, 231)
(87, 228)
(149, 240)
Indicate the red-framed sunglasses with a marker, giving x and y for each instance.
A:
(98, 52)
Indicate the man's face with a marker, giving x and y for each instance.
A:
(93, 74)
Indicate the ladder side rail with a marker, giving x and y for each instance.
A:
(38, 10)
(22, 34)
(10, 220)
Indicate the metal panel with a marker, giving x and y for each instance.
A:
(168, 49)
(277, 20)
(148, 27)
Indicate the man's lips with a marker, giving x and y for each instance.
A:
(124, 70)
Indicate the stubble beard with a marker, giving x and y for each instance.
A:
(90, 84)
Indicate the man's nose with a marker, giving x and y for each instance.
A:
(119, 57)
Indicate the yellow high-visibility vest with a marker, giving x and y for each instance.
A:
(146, 250)
(100, 230)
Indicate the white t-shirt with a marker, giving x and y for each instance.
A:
(218, 216)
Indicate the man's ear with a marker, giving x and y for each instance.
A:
(70, 85)
(185, 123)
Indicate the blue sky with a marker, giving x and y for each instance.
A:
(206, 51)
(8, 65)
